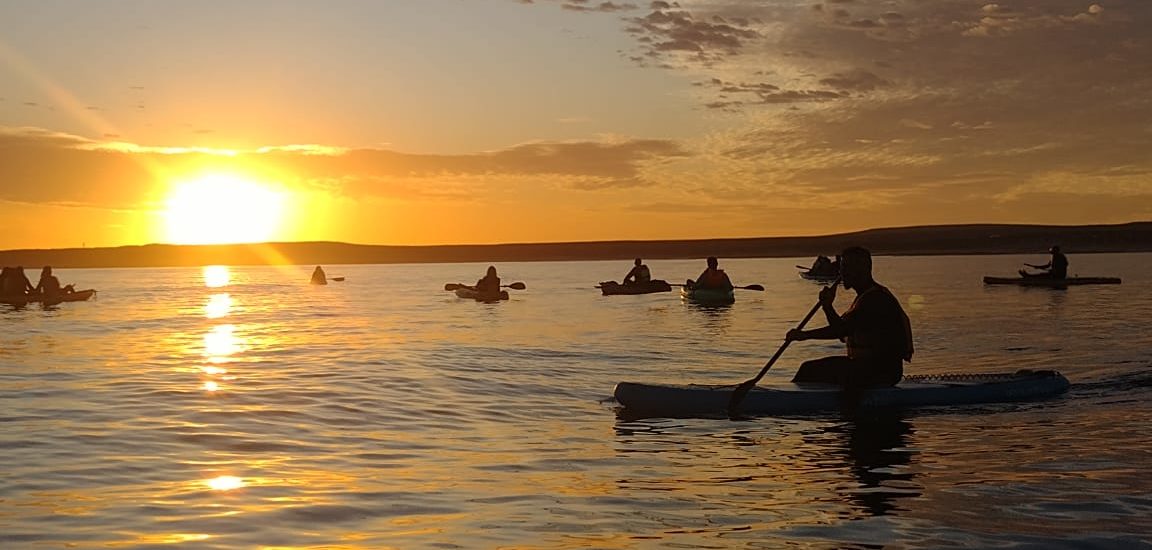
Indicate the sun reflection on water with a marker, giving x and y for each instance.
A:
(219, 305)
(216, 276)
(224, 483)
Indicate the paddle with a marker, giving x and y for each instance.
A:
(337, 279)
(513, 286)
(804, 267)
(742, 390)
(747, 287)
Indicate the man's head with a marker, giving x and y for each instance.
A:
(1055, 249)
(712, 262)
(855, 266)
(638, 262)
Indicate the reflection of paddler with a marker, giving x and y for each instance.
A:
(318, 276)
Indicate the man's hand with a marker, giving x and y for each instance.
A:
(828, 295)
(795, 335)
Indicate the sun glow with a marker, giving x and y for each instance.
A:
(222, 209)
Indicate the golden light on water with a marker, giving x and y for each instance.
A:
(216, 276)
(224, 483)
(211, 386)
(223, 208)
(221, 342)
(219, 305)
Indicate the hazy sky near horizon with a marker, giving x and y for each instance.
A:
(480, 121)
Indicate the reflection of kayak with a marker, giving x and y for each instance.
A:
(708, 295)
(826, 278)
(787, 398)
(472, 294)
(77, 296)
(610, 288)
(1041, 281)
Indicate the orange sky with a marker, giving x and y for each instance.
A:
(430, 121)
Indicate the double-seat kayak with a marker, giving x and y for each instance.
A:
(791, 398)
(612, 288)
(473, 294)
(708, 296)
(49, 299)
(1051, 282)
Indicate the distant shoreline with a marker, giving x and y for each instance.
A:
(903, 241)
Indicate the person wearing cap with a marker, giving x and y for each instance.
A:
(1056, 268)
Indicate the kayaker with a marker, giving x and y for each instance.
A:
(13, 282)
(49, 284)
(490, 283)
(640, 274)
(319, 277)
(712, 277)
(875, 327)
(1056, 268)
(822, 266)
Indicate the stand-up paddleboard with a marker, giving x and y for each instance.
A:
(790, 398)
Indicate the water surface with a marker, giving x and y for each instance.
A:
(241, 407)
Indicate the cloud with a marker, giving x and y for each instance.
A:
(38, 166)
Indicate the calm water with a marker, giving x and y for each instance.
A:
(182, 410)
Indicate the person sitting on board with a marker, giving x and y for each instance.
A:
(15, 283)
(713, 277)
(1056, 268)
(875, 327)
(49, 285)
(640, 274)
(490, 283)
(318, 276)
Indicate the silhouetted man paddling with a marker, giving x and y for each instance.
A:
(875, 327)
(1056, 268)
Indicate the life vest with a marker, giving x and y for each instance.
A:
(881, 341)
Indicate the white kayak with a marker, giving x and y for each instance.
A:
(790, 398)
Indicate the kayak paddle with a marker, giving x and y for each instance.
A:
(748, 287)
(513, 286)
(337, 279)
(742, 390)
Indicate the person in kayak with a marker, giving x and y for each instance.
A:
(319, 277)
(640, 274)
(1056, 268)
(713, 277)
(49, 285)
(490, 283)
(875, 327)
(13, 282)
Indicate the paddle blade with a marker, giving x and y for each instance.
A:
(451, 286)
(517, 286)
(738, 395)
(337, 279)
(753, 287)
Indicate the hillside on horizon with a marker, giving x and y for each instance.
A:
(919, 240)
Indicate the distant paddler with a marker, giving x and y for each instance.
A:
(640, 274)
(49, 285)
(875, 327)
(318, 276)
(1056, 268)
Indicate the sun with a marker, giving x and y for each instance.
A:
(223, 209)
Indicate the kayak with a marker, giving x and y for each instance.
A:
(1042, 281)
(826, 278)
(472, 294)
(612, 288)
(77, 296)
(708, 295)
(791, 398)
